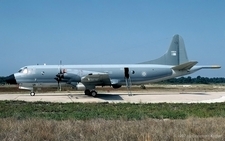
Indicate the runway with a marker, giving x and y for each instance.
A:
(123, 97)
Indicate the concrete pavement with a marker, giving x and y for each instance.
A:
(120, 96)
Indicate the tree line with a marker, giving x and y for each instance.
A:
(2, 80)
(196, 80)
(180, 80)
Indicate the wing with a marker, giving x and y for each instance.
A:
(89, 79)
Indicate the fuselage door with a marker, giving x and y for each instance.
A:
(126, 73)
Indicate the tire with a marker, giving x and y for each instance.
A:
(94, 93)
(87, 92)
(32, 93)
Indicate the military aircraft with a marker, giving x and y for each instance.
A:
(173, 63)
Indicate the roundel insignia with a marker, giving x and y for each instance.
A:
(144, 74)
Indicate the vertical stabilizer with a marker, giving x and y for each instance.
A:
(176, 54)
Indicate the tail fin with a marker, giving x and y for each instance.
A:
(176, 54)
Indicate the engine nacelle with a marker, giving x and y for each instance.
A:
(80, 86)
(72, 77)
(116, 86)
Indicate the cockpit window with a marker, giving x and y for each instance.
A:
(23, 70)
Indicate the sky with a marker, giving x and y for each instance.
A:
(109, 32)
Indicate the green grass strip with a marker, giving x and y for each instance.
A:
(112, 111)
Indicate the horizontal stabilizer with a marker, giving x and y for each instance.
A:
(211, 67)
(185, 66)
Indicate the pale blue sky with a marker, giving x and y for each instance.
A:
(109, 31)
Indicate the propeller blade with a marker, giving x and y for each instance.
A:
(60, 75)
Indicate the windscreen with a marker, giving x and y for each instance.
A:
(23, 70)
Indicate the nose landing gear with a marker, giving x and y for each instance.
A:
(32, 93)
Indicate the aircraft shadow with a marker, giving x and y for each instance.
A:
(111, 97)
(195, 93)
(53, 95)
(115, 97)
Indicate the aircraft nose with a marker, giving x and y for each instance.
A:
(10, 79)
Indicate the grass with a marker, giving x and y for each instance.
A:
(109, 111)
(20, 120)
(114, 130)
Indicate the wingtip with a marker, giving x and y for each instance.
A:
(215, 66)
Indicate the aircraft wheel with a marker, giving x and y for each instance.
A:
(32, 93)
(94, 93)
(87, 92)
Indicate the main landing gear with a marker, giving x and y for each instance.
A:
(90, 92)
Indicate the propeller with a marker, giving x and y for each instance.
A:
(60, 75)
